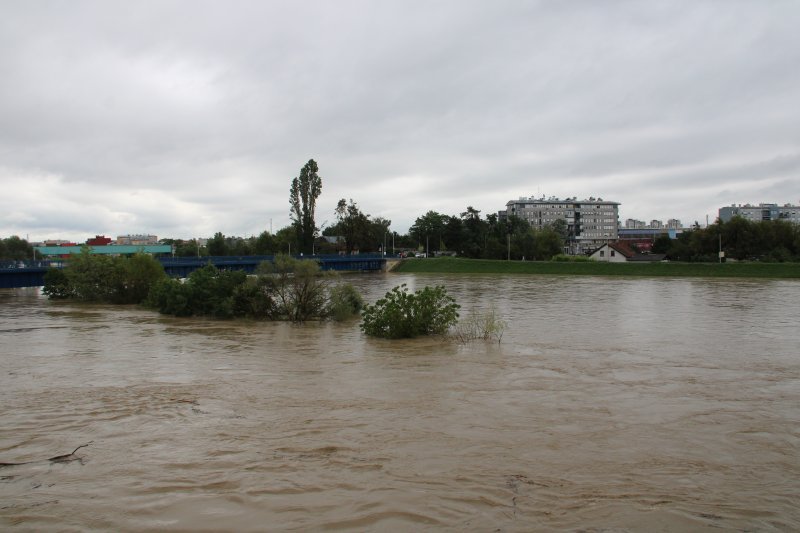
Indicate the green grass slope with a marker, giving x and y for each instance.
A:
(711, 270)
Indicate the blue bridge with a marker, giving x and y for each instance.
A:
(31, 273)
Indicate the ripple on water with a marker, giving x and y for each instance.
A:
(610, 404)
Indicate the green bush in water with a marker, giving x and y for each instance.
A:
(344, 302)
(400, 314)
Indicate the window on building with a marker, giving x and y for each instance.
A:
(602, 253)
(613, 254)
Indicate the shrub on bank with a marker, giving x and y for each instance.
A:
(400, 314)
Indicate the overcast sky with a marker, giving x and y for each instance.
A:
(182, 119)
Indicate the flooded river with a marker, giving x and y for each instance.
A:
(610, 404)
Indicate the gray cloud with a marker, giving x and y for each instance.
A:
(186, 118)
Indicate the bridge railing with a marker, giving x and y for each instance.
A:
(28, 263)
(183, 266)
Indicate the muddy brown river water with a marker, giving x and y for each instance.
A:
(610, 404)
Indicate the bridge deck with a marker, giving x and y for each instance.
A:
(15, 274)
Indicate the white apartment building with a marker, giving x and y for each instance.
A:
(760, 212)
(137, 240)
(590, 223)
(633, 223)
(672, 223)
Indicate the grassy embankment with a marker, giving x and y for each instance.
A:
(710, 270)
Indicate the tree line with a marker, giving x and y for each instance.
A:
(739, 239)
(14, 248)
(283, 289)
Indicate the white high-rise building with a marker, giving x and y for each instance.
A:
(590, 223)
(760, 212)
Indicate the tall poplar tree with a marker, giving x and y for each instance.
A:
(303, 196)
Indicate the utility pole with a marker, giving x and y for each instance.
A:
(509, 247)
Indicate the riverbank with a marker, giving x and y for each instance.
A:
(457, 265)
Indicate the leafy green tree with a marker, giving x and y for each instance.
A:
(661, 244)
(549, 243)
(94, 278)
(57, 285)
(454, 236)
(351, 224)
(216, 245)
(137, 274)
(303, 196)
(377, 233)
(212, 291)
(474, 235)
(253, 299)
(102, 278)
(265, 244)
(238, 246)
(170, 297)
(741, 239)
(427, 230)
(15, 248)
(561, 228)
(189, 248)
(286, 241)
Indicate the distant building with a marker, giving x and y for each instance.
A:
(632, 223)
(643, 238)
(761, 212)
(612, 253)
(137, 240)
(590, 223)
(617, 252)
(99, 240)
(672, 223)
(57, 242)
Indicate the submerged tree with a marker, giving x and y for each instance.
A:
(298, 287)
(103, 278)
(401, 314)
(303, 196)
